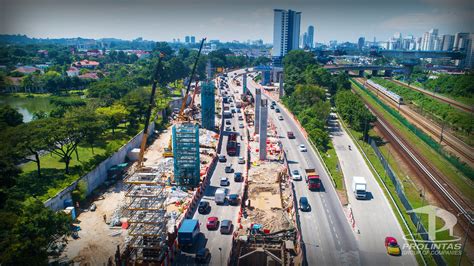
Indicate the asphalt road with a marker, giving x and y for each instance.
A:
(327, 236)
(374, 217)
(218, 244)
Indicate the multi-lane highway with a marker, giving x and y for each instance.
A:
(219, 244)
(326, 234)
(374, 218)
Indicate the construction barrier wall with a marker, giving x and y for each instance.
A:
(96, 177)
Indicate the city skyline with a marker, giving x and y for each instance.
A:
(168, 20)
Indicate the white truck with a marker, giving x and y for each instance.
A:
(359, 187)
(220, 195)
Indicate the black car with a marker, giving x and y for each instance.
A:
(228, 122)
(222, 158)
(238, 177)
(203, 255)
(233, 199)
(277, 110)
(204, 207)
(304, 204)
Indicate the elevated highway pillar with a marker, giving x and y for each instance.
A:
(361, 73)
(388, 73)
(375, 72)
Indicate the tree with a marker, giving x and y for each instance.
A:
(9, 117)
(30, 231)
(88, 122)
(176, 69)
(30, 139)
(299, 58)
(113, 114)
(64, 138)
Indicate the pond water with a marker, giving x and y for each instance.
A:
(27, 106)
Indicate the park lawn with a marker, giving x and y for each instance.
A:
(447, 169)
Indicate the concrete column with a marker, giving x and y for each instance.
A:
(375, 72)
(244, 83)
(281, 88)
(388, 73)
(346, 71)
(361, 73)
(263, 130)
(258, 99)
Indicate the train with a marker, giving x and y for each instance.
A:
(390, 94)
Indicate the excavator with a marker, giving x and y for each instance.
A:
(183, 114)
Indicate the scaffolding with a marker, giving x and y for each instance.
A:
(146, 196)
(186, 154)
(208, 106)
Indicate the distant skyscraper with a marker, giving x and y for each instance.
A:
(186, 39)
(310, 39)
(193, 39)
(286, 33)
(304, 40)
(463, 42)
(447, 43)
(361, 43)
(429, 38)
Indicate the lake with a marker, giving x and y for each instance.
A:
(27, 106)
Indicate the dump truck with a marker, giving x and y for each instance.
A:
(232, 144)
(359, 187)
(312, 179)
(188, 232)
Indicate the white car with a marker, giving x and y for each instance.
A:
(224, 181)
(280, 117)
(296, 175)
(302, 148)
(241, 125)
(241, 160)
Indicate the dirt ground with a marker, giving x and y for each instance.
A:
(97, 240)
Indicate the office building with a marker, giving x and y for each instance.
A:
(286, 33)
(447, 43)
(304, 41)
(428, 41)
(310, 38)
(361, 43)
(463, 43)
(193, 39)
(187, 39)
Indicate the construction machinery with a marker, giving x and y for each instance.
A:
(182, 115)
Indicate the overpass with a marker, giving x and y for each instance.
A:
(388, 70)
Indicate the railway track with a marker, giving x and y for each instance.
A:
(447, 195)
(454, 103)
(462, 149)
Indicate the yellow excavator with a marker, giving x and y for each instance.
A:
(182, 115)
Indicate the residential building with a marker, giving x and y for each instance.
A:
(187, 39)
(72, 72)
(193, 39)
(28, 70)
(463, 42)
(86, 64)
(286, 33)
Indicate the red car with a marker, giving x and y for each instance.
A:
(212, 223)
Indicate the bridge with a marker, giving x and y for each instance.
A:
(388, 69)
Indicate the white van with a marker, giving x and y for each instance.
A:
(220, 195)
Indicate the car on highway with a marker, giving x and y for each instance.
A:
(228, 168)
(224, 181)
(241, 117)
(202, 255)
(304, 204)
(228, 122)
(222, 158)
(274, 103)
(204, 207)
(238, 110)
(290, 135)
(241, 160)
(302, 148)
(296, 175)
(280, 117)
(272, 107)
(212, 223)
(277, 110)
(392, 246)
(241, 125)
(238, 177)
(226, 226)
(233, 199)
(228, 128)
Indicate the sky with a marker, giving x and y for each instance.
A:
(164, 20)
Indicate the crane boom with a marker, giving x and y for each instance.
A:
(183, 105)
(148, 112)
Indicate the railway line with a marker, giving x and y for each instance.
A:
(457, 146)
(446, 194)
(463, 107)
